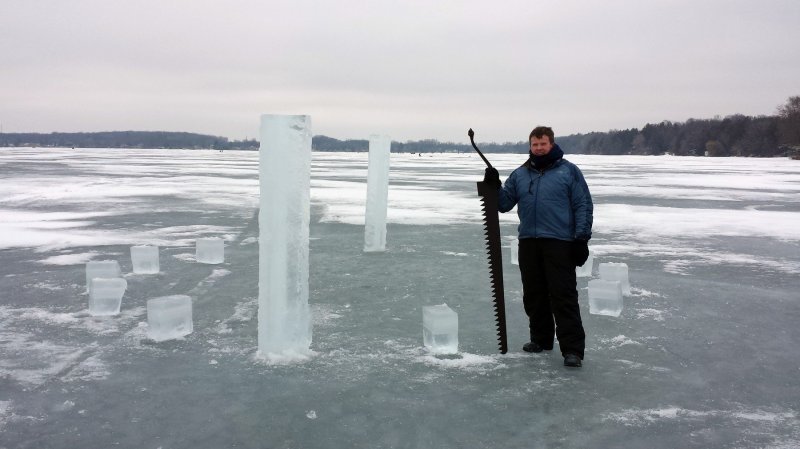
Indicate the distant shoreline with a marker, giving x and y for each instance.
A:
(736, 135)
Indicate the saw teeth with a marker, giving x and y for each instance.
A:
(491, 228)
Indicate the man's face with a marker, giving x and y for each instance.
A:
(540, 145)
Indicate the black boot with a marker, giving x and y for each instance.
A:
(534, 347)
(572, 360)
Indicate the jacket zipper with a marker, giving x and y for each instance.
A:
(535, 199)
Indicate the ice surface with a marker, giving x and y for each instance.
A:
(440, 329)
(645, 382)
(284, 318)
(105, 295)
(210, 250)
(377, 193)
(146, 179)
(605, 297)
(169, 317)
(586, 270)
(616, 271)
(144, 259)
(514, 251)
(101, 269)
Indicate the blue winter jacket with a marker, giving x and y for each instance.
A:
(552, 203)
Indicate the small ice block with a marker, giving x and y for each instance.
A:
(612, 271)
(169, 317)
(210, 250)
(145, 259)
(515, 252)
(586, 270)
(105, 295)
(605, 297)
(101, 269)
(440, 329)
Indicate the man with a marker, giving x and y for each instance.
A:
(555, 214)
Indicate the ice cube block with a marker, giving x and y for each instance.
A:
(612, 271)
(440, 329)
(145, 259)
(605, 297)
(101, 269)
(586, 270)
(169, 317)
(515, 252)
(210, 250)
(105, 295)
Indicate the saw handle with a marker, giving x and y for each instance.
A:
(471, 134)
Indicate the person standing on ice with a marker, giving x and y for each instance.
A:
(555, 214)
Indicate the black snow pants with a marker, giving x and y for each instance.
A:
(549, 290)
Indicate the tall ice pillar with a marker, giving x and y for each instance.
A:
(377, 193)
(284, 319)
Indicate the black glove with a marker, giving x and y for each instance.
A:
(579, 251)
(491, 177)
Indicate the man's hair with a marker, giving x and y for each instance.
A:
(541, 131)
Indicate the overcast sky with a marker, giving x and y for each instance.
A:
(409, 69)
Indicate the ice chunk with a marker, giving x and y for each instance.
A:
(284, 317)
(169, 317)
(605, 297)
(377, 193)
(515, 252)
(440, 329)
(210, 250)
(612, 271)
(144, 259)
(101, 269)
(586, 270)
(105, 295)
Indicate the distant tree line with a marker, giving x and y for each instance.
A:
(115, 139)
(734, 135)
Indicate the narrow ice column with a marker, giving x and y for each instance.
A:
(284, 320)
(377, 193)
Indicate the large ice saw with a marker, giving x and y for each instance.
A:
(491, 222)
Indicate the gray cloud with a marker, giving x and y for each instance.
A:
(411, 69)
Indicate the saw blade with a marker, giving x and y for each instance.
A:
(488, 195)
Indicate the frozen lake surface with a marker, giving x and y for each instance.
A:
(704, 355)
